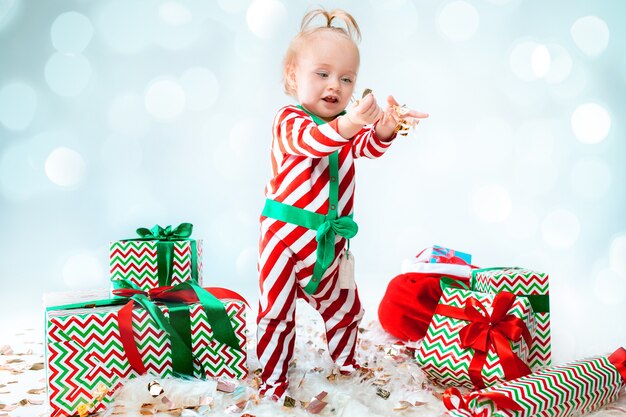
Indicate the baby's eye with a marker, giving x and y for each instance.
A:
(347, 80)
(322, 74)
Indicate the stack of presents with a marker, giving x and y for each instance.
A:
(485, 335)
(486, 330)
(158, 319)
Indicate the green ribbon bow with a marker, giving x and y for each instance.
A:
(165, 237)
(182, 231)
(343, 226)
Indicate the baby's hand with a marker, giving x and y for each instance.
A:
(390, 119)
(365, 111)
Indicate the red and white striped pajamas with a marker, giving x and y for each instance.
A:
(287, 252)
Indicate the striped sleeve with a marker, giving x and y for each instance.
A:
(296, 134)
(366, 144)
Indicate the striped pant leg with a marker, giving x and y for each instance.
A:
(275, 322)
(342, 312)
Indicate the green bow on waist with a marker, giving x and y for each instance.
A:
(326, 233)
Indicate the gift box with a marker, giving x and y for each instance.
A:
(532, 285)
(91, 347)
(567, 390)
(476, 339)
(159, 257)
(440, 260)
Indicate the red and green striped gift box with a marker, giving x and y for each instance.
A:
(532, 285)
(158, 257)
(85, 350)
(567, 390)
(450, 351)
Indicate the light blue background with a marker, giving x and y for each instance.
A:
(116, 115)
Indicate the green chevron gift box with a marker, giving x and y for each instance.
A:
(476, 339)
(91, 347)
(532, 285)
(568, 390)
(158, 257)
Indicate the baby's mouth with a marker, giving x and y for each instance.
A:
(330, 99)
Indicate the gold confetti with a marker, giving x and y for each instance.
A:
(316, 405)
(83, 410)
(225, 385)
(36, 390)
(289, 402)
(100, 392)
(37, 367)
(402, 405)
(155, 389)
(366, 92)
(382, 393)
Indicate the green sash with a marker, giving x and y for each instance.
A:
(327, 226)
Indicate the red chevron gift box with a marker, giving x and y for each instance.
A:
(477, 339)
(159, 257)
(532, 285)
(567, 390)
(92, 347)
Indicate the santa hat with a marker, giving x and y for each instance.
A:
(409, 304)
(411, 298)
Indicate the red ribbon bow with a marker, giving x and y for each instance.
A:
(499, 399)
(618, 359)
(485, 331)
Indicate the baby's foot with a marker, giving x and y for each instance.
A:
(274, 392)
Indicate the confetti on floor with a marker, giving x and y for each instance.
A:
(389, 384)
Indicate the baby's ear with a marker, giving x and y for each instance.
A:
(290, 78)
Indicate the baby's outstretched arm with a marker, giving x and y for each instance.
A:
(390, 119)
(364, 112)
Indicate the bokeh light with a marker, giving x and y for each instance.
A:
(127, 115)
(201, 88)
(84, 270)
(540, 61)
(20, 179)
(18, 104)
(266, 17)
(174, 13)
(591, 178)
(560, 64)
(65, 167)
(458, 21)
(121, 155)
(493, 139)
(71, 32)
(521, 60)
(560, 229)
(126, 27)
(402, 15)
(233, 6)
(522, 223)
(165, 99)
(609, 286)
(492, 203)
(617, 254)
(591, 123)
(68, 74)
(8, 9)
(590, 34)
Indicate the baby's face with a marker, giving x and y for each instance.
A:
(325, 73)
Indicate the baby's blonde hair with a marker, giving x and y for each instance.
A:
(351, 32)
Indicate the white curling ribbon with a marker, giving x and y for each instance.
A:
(346, 271)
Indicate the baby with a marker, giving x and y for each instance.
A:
(307, 219)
